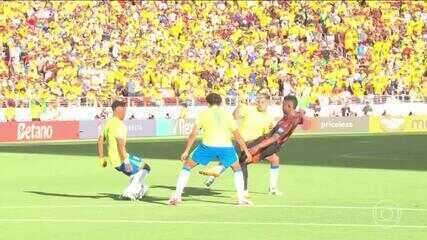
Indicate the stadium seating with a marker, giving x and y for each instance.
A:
(157, 50)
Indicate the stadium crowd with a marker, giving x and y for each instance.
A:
(102, 50)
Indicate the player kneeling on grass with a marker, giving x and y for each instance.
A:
(114, 135)
(218, 127)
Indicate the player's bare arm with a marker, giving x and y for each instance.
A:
(242, 145)
(265, 143)
(190, 142)
(305, 121)
(122, 149)
(101, 151)
(121, 146)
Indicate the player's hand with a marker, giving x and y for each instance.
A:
(103, 162)
(254, 150)
(128, 167)
(184, 156)
(248, 157)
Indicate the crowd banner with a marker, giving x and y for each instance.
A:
(178, 127)
(165, 127)
(90, 129)
(184, 127)
(398, 124)
(136, 128)
(339, 124)
(38, 131)
(141, 128)
(69, 130)
(8, 131)
(335, 125)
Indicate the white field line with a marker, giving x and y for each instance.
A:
(54, 220)
(143, 204)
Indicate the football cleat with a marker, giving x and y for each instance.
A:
(143, 191)
(274, 192)
(246, 194)
(173, 201)
(128, 196)
(209, 181)
(244, 202)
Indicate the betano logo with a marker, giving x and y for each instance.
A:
(34, 132)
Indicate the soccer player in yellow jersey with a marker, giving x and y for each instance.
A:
(114, 135)
(218, 127)
(255, 121)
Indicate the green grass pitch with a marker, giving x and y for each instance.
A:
(334, 187)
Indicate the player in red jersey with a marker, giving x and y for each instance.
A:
(268, 146)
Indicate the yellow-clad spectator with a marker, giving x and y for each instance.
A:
(36, 110)
(45, 48)
(10, 112)
(183, 114)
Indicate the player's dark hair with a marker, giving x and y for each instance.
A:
(214, 99)
(292, 99)
(118, 103)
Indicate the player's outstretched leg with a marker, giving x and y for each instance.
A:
(183, 177)
(137, 170)
(137, 187)
(145, 170)
(274, 174)
(212, 174)
(244, 166)
(239, 183)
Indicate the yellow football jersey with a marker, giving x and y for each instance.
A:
(113, 129)
(217, 126)
(254, 123)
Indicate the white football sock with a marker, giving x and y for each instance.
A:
(219, 169)
(274, 177)
(136, 181)
(184, 175)
(144, 173)
(238, 182)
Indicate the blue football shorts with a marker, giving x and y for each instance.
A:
(203, 154)
(135, 164)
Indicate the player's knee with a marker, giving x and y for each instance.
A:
(146, 167)
(189, 164)
(274, 160)
(236, 167)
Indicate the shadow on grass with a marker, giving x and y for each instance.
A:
(189, 192)
(71, 195)
(193, 191)
(399, 152)
(115, 197)
(170, 149)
